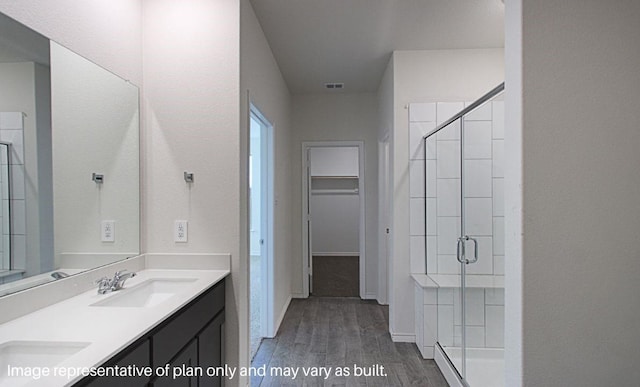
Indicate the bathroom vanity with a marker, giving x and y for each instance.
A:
(170, 314)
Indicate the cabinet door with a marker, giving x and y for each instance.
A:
(210, 350)
(139, 356)
(187, 358)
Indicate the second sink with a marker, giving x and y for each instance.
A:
(146, 294)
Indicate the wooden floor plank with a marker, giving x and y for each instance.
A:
(342, 332)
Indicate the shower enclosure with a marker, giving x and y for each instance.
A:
(5, 219)
(464, 240)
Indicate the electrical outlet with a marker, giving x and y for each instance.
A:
(108, 231)
(181, 231)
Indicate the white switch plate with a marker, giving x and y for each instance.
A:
(108, 231)
(181, 229)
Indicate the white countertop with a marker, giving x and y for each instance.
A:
(108, 330)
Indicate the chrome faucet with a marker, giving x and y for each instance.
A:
(106, 285)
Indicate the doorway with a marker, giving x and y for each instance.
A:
(333, 219)
(260, 228)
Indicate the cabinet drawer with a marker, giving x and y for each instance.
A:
(185, 326)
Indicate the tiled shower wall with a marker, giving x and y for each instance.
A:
(440, 319)
(483, 185)
(12, 131)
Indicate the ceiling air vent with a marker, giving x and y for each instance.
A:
(334, 85)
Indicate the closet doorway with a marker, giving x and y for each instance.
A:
(333, 219)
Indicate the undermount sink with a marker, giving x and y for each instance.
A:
(146, 294)
(24, 356)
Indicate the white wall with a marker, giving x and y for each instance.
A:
(191, 110)
(426, 76)
(337, 117)
(577, 65)
(261, 78)
(107, 32)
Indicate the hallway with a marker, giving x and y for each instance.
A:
(342, 332)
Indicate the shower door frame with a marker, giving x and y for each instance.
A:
(463, 238)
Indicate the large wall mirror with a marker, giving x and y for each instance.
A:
(69, 162)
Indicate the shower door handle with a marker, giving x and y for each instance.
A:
(461, 250)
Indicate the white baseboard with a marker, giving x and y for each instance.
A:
(298, 295)
(370, 296)
(279, 320)
(403, 337)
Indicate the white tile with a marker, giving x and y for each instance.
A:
(477, 140)
(432, 254)
(431, 147)
(416, 250)
(430, 296)
(416, 178)
(5, 219)
(478, 216)
(485, 256)
(448, 234)
(482, 113)
(448, 156)
(416, 131)
(445, 324)
(417, 316)
(494, 296)
(445, 296)
(498, 264)
(430, 328)
(19, 251)
(448, 264)
(498, 119)
(446, 110)
(432, 181)
(498, 197)
(4, 156)
(477, 178)
(475, 337)
(17, 180)
(495, 327)
(416, 216)
(425, 111)
(457, 336)
(498, 235)
(432, 218)
(18, 217)
(498, 158)
(474, 304)
(448, 197)
(11, 120)
(16, 138)
(450, 132)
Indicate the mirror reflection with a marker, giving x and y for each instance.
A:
(69, 162)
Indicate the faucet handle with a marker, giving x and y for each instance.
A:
(101, 281)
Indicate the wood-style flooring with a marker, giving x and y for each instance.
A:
(342, 332)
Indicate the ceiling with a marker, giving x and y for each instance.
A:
(351, 41)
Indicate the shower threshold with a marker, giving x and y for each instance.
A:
(485, 366)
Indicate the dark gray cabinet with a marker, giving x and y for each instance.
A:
(192, 337)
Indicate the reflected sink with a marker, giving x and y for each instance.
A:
(32, 356)
(146, 294)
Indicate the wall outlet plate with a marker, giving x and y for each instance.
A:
(108, 231)
(181, 231)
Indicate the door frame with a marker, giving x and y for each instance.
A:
(267, 164)
(305, 218)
